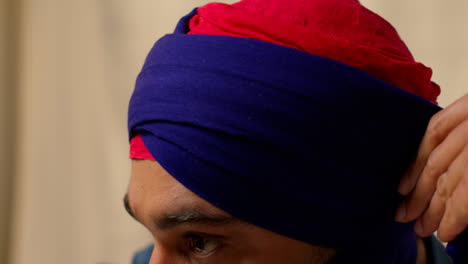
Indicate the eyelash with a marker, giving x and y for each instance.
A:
(191, 239)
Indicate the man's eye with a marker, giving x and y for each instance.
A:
(202, 245)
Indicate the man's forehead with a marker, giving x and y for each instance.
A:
(153, 192)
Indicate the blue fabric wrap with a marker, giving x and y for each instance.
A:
(458, 248)
(301, 145)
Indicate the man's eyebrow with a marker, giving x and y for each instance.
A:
(192, 216)
(127, 206)
(184, 216)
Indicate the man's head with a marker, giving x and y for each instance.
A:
(188, 229)
(299, 140)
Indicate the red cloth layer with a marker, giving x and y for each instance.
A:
(341, 30)
(138, 149)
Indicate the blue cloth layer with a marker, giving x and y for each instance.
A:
(458, 248)
(299, 144)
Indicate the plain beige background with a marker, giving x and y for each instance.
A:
(67, 70)
(7, 118)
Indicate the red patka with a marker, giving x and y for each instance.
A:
(341, 30)
(138, 149)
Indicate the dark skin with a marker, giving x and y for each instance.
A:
(188, 229)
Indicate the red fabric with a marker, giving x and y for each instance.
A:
(138, 149)
(342, 30)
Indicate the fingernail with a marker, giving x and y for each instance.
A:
(401, 213)
(441, 236)
(446, 231)
(418, 228)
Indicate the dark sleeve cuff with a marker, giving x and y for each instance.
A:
(436, 251)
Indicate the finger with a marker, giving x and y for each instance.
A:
(446, 185)
(437, 163)
(439, 127)
(429, 221)
(431, 139)
(455, 219)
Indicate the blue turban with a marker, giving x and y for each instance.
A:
(302, 145)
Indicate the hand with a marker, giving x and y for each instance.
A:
(437, 182)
